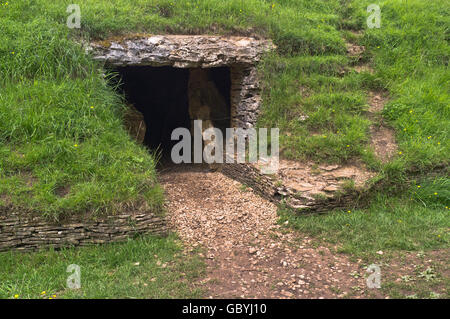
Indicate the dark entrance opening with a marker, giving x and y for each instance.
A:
(167, 98)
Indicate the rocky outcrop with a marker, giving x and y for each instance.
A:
(205, 101)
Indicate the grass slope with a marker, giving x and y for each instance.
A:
(63, 148)
(62, 145)
(416, 220)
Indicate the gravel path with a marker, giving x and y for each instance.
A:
(248, 254)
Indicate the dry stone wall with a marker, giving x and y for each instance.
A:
(273, 188)
(245, 96)
(30, 232)
(240, 54)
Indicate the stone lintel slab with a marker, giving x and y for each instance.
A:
(182, 51)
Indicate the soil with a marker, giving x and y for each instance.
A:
(249, 255)
(382, 136)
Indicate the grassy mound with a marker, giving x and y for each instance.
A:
(63, 149)
(62, 145)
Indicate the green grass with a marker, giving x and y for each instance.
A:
(66, 151)
(410, 64)
(411, 53)
(63, 149)
(416, 220)
(336, 128)
(107, 271)
(49, 85)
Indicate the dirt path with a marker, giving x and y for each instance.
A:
(382, 136)
(248, 254)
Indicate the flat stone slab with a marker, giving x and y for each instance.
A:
(304, 186)
(181, 51)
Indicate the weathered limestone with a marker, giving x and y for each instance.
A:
(240, 54)
(296, 187)
(182, 51)
(205, 101)
(27, 232)
(245, 97)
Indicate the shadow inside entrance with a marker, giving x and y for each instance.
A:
(171, 98)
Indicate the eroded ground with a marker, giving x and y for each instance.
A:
(249, 255)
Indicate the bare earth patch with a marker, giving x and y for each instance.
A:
(354, 50)
(415, 275)
(382, 137)
(383, 142)
(249, 255)
(364, 68)
(377, 100)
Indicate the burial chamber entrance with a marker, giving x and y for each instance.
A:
(161, 99)
(171, 80)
